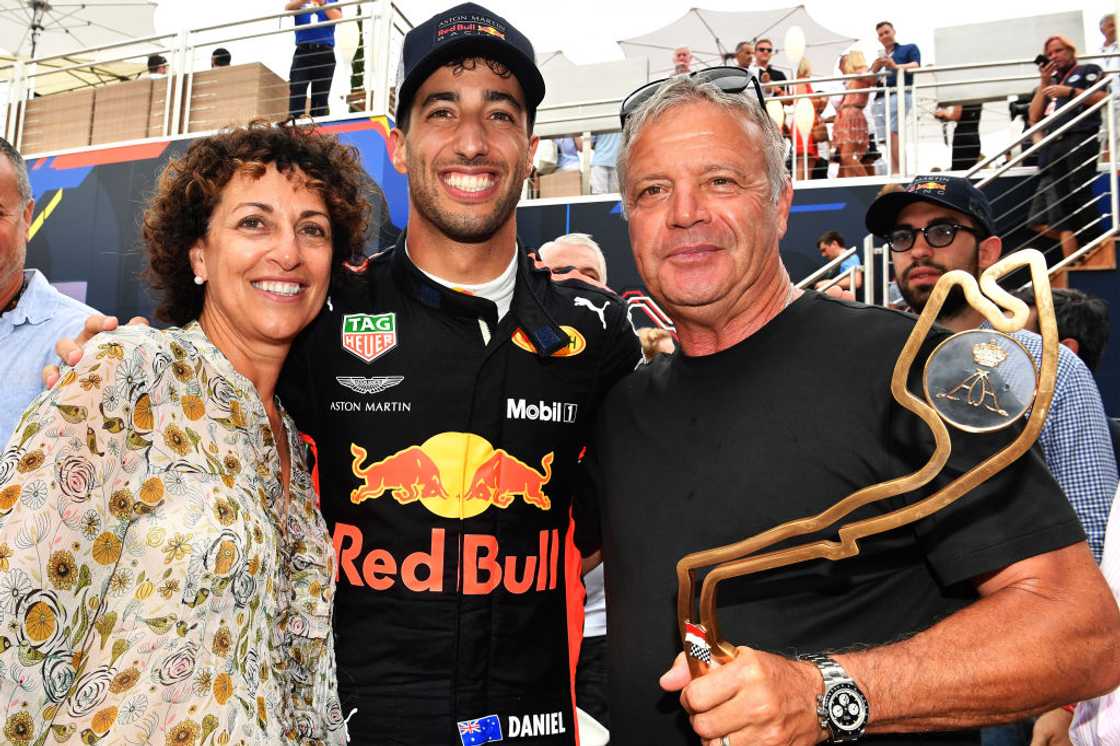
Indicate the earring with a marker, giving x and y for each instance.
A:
(199, 281)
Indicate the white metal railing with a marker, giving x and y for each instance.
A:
(923, 137)
(991, 169)
(190, 99)
(381, 25)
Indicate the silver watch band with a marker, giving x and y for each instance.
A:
(831, 671)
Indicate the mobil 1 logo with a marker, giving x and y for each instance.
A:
(541, 411)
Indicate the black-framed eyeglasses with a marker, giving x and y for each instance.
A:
(727, 78)
(938, 235)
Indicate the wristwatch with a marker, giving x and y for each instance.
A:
(842, 710)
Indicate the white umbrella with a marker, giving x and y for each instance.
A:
(712, 33)
(42, 28)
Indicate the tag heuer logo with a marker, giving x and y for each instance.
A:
(368, 336)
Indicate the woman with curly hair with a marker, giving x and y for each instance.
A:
(167, 576)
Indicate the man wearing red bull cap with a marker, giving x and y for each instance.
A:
(987, 611)
(448, 386)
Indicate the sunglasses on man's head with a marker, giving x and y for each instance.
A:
(728, 79)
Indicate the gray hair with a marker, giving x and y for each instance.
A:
(23, 183)
(582, 239)
(685, 89)
(1106, 17)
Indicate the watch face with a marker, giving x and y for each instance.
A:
(846, 708)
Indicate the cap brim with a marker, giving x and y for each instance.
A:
(525, 70)
(882, 216)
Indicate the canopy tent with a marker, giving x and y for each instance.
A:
(40, 28)
(568, 83)
(709, 34)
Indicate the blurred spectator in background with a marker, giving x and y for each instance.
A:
(32, 313)
(1071, 159)
(682, 61)
(966, 133)
(744, 56)
(763, 51)
(604, 157)
(1083, 323)
(157, 67)
(313, 61)
(220, 57)
(1110, 65)
(567, 153)
(576, 253)
(810, 165)
(831, 245)
(893, 57)
(850, 135)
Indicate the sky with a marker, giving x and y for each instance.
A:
(585, 30)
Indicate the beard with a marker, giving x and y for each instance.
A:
(955, 300)
(461, 227)
(11, 266)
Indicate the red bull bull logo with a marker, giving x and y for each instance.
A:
(504, 477)
(409, 474)
(454, 475)
(491, 31)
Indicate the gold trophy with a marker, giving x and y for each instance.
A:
(977, 380)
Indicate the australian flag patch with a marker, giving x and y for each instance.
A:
(480, 730)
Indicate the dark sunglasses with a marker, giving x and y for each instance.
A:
(938, 236)
(764, 49)
(727, 78)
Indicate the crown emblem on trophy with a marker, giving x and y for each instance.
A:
(988, 354)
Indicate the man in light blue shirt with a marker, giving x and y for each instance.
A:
(895, 57)
(831, 245)
(604, 156)
(33, 315)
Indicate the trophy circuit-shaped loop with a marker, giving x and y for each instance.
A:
(978, 380)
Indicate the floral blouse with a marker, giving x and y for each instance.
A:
(156, 586)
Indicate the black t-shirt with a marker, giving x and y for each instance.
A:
(1078, 79)
(775, 76)
(966, 138)
(694, 453)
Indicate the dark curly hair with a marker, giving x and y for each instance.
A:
(191, 186)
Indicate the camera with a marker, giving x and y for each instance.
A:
(1019, 108)
(1040, 60)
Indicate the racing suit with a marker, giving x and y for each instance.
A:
(447, 444)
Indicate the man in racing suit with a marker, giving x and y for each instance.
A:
(447, 388)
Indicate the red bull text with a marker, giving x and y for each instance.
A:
(482, 568)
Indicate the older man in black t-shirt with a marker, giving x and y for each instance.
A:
(777, 406)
